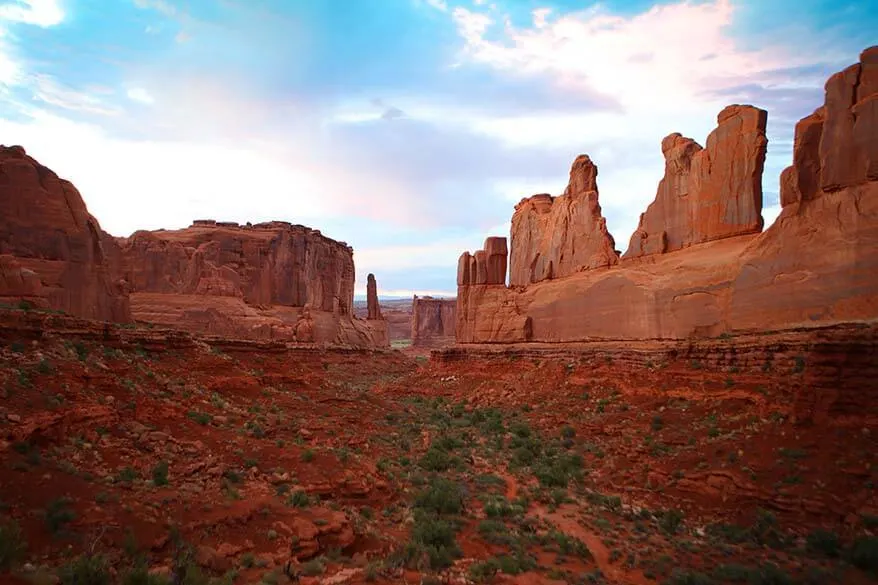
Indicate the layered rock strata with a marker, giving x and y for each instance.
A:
(710, 271)
(433, 321)
(554, 237)
(707, 193)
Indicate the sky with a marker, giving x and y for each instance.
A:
(406, 128)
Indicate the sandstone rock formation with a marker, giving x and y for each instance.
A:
(270, 280)
(485, 266)
(712, 274)
(53, 253)
(553, 237)
(433, 321)
(372, 307)
(707, 193)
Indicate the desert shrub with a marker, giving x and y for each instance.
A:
(58, 514)
(12, 545)
(160, 473)
(670, 520)
(299, 499)
(864, 553)
(442, 496)
(824, 542)
(86, 570)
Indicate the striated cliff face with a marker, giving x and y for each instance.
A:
(53, 253)
(709, 273)
(553, 237)
(273, 263)
(433, 321)
(707, 193)
(270, 280)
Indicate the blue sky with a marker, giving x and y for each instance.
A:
(407, 128)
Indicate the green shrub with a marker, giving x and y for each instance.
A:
(442, 496)
(864, 553)
(58, 515)
(86, 570)
(160, 473)
(824, 542)
(12, 545)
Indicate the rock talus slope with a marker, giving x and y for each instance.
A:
(697, 267)
(53, 253)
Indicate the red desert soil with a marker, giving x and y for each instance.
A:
(200, 458)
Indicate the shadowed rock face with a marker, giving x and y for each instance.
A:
(433, 321)
(709, 271)
(554, 237)
(707, 193)
(53, 253)
(372, 306)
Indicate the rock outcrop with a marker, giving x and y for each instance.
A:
(485, 266)
(433, 321)
(707, 193)
(710, 272)
(53, 253)
(272, 280)
(554, 237)
(372, 307)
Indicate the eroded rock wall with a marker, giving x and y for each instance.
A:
(554, 237)
(708, 273)
(53, 253)
(270, 280)
(433, 321)
(707, 193)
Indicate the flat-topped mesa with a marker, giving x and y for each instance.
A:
(372, 307)
(707, 193)
(835, 147)
(53, 253)
(275, 264)
(485, 266)
(553, 237)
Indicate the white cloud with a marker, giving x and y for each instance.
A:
(47, 89)
(161, 6)
(138, 94)
(131, 185)
(438, 4)
(43, 13)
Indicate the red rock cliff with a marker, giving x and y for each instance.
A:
(433, 321)
(53, 253)
(707, 193)
(815, 266)
(553, 237)
(268, 280)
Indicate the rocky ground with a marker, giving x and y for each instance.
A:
(135, 457)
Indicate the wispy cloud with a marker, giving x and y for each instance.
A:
(43, 13)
